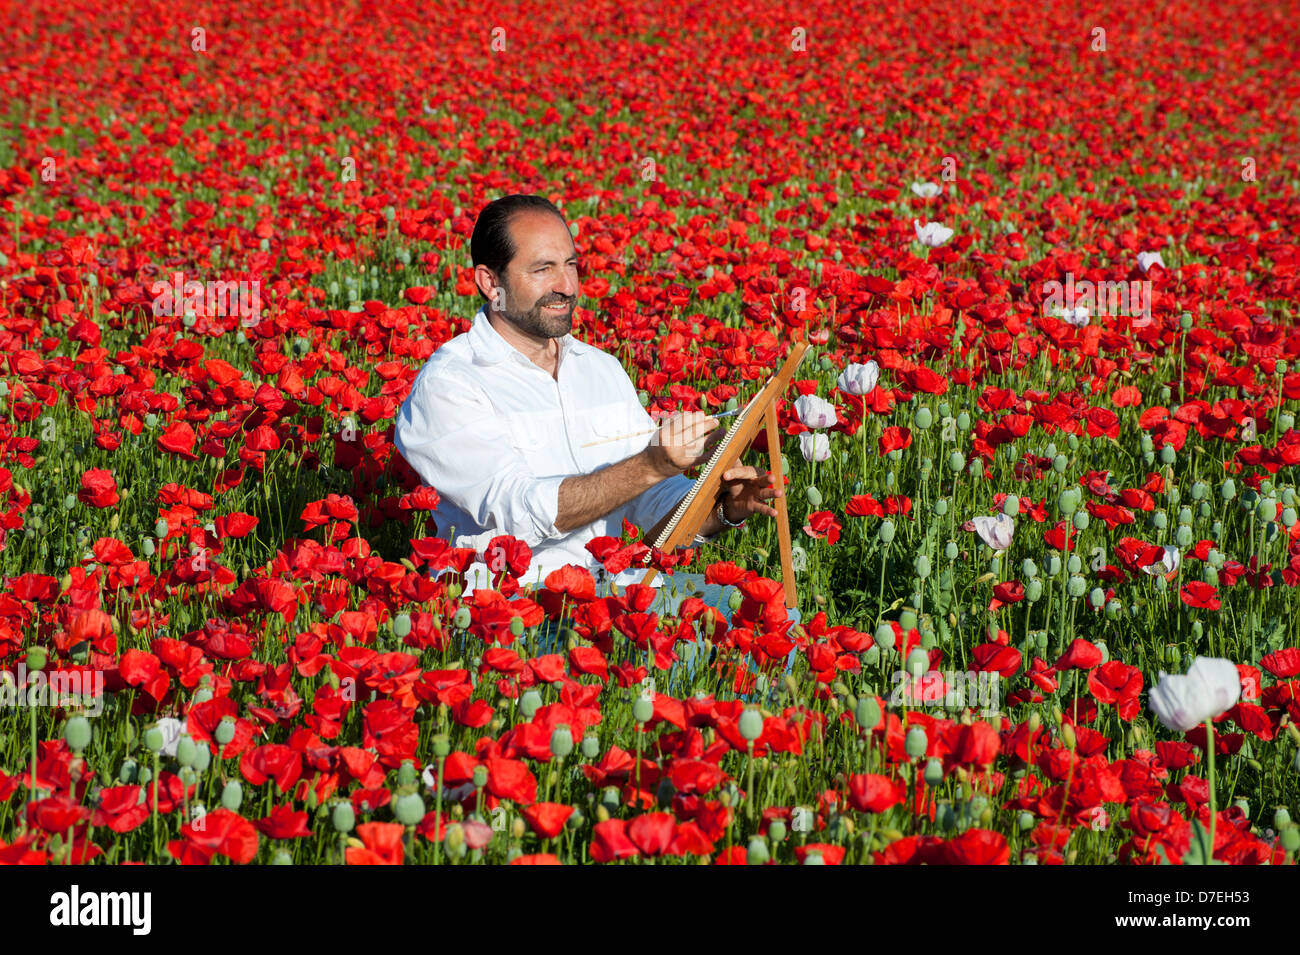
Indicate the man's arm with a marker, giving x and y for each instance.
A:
(682, 442)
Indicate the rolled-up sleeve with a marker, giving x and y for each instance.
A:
(458, 445)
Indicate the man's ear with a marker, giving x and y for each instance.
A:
(488, 284)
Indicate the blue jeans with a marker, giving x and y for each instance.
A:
(673, 591)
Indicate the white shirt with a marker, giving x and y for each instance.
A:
(495, 436)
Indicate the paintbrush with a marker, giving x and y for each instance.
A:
(638, 434)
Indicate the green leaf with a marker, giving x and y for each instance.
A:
(1201, 851)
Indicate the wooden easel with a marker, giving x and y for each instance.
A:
(760, 413)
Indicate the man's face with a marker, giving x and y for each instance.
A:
(540, 287)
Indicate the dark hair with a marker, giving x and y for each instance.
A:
(491, 244)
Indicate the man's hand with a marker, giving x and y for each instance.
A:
(684, 440)
(744, 489)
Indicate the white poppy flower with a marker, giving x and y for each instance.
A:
(814, 412)
(1211, 686)
(926, 190)
(932, 233)
(996, 531)
(858, 379)
(1167, 564)
(1148, 259)
(814, 446)
(1078, 316)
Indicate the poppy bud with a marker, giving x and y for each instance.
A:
(232, 795)
(751, 724)
(406, 773)
(77, 733)
(1291, 839)
(1068, 737)
(344, 817)
(529, 703)
(561, 741)
(225, 731)
(455, 838)
(914, 744)
(933, 772)
(1034, 722)
(409, 809)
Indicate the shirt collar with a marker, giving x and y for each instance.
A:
(489, 347)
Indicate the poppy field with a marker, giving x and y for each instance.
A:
(1040, 461)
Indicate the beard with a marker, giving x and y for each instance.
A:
(543, 324)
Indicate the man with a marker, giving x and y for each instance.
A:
(524, 430)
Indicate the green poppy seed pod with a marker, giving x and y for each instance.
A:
(591, 746)
(225, 731)
(642, 709)
(922, 566)
(736, 600)
(1228, 489)
(1198, 629)
(1200, 490)
(1266, 510)
(401, 625)
(1066, 502)
(1097, 597)
(886, 531)
(1053, 564)
(1160, 584)
(814, 858)
(1034, 590)
(529, 703)
(944, 816)
(776, 831)
(956, 462)
(144, 776)
(1215, 557)
(186, 751)
(202, 757)
(153, 739)
(480, 777)
(576, 820)
(202, 695)
(1281, 818)
(915, 742)
(814, 496)
(1025, 821)
(128, 773)
(1288, 517)
(941, 508)
(1168, 455)
(976, 469)
(1173, 495)
(77, 733)
(1183, 536)
(963, 421)
(1076, 586)
(933, 772)
(923, 418)
(1210, 575)
(517, 626)
(1159, 520)
(870, 657)
(1075, 564)
(454, 590)
(1011, 505)
(36, 658)
(889, 477)
(918, 661)
(1028, 568)
(1185, 321)
(408, 809)
(1173, 656)
(454, 840)
(644, 398)
(884, 636)
(232, 795)
(950, 550)
(757, 853)
(1080, 520)
(281, 857)
(1243, 804)
(441, 746)
(1113, 609)
(561, 741)
(610, 799)
(344, 817)
(160, 527)
(406, 773)
(1290, 837)
(751, 724)
(868, 713)
(1285, 422)
(907, 619)
(1146, 443)
(461, 619)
